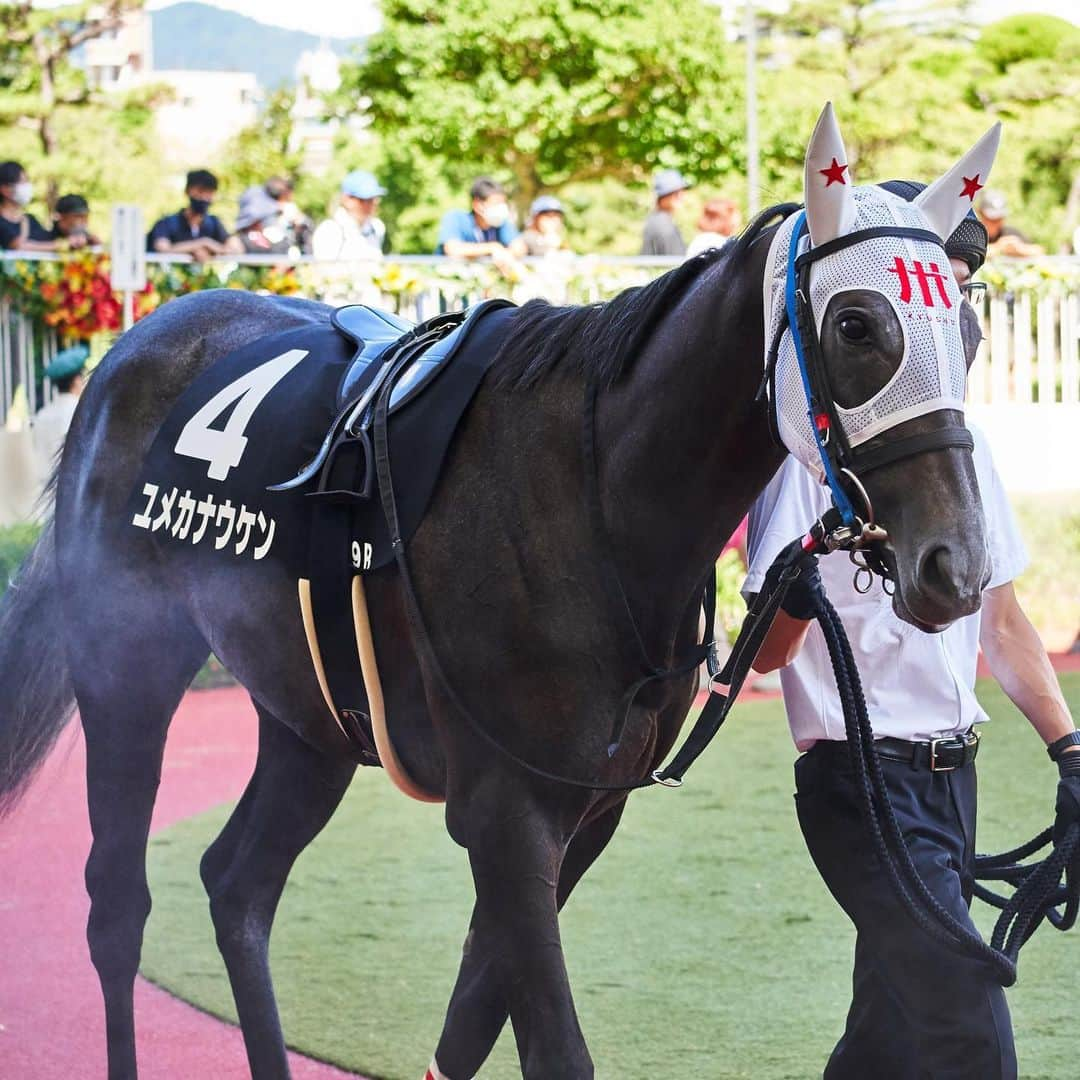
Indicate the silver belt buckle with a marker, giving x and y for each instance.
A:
(934, 766)
(968, 739)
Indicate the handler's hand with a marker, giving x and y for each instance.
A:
(806, 592)
(1068, 795)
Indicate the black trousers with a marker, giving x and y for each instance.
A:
(918, 1010)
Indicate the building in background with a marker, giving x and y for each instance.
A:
(122, 57)
(318, 72)
(208, 109)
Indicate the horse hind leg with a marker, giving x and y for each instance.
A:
(129, 676)
(292, 794)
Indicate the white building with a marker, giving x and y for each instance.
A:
(121, 57)
(209, 108)
(318, 72)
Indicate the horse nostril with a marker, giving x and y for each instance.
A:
(936, 572)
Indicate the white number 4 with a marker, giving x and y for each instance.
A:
(223, 448)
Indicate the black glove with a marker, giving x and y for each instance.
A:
(1068, 795)
(806, 592)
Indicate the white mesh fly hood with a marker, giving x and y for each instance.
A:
(914, 275)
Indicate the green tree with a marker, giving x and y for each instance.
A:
(1029, 77)
(571, 91)
(39, 85)
(893, 72)
(266, 148)
(1025, 37)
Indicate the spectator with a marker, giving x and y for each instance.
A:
(720, 220)
(297, 224)
(992, 210)
(259, 226)
(194, 230)
(355, 231)
(50, 424)
(18, 229)
(70, 219)
(661, 235)
(485, 230)
(546, 232)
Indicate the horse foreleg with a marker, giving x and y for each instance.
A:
(478, 1007)
(292, 794)
(516, 849)
(128, 687)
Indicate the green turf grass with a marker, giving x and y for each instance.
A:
(702, 944)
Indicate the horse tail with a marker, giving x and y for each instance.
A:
(36, 694)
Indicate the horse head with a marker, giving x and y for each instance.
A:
(871, 339)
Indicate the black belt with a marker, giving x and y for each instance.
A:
(937, 755)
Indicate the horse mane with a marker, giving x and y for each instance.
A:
(603, 339)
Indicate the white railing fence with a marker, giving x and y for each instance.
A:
(1030, 352)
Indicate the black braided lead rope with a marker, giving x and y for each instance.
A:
(923, 907)
(1039, 891)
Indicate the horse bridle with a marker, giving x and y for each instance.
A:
(844, 465)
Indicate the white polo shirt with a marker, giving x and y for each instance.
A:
(918, 686)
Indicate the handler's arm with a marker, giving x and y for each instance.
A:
(1018, 660)
(782, 643)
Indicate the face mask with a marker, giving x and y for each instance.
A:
(496, 214)
(932, 372)
(23, 193)
(199, 206)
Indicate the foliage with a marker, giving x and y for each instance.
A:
(54, 121)
(1049, 589)
(538, 100)
(912, 94)
(720, 862)
(15, 544)
(730, 606)
(573, 90)
(1026, 37)
(263, 150)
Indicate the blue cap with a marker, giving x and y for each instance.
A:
(668, 181)
(545, 204)
(362, 185)
(68, 362)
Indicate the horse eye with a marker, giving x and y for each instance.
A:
(853, 328)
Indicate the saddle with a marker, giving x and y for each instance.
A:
(382, 341)
(301, 403)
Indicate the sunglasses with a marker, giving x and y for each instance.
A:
(973, 290)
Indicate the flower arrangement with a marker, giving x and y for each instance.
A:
(74, 296)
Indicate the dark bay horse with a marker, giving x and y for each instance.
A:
(508, 571)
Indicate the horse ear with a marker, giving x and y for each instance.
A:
(830, 204)
(948, 199)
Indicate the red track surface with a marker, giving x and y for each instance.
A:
(51, 1017)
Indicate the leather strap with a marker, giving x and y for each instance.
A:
(898, 449)
(841, 242)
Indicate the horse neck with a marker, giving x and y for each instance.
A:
(683, 446)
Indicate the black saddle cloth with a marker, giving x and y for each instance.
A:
(257, 416)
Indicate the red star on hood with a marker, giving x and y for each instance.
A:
(834, 174)
(971, 185)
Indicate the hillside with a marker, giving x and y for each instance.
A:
(192, 36)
